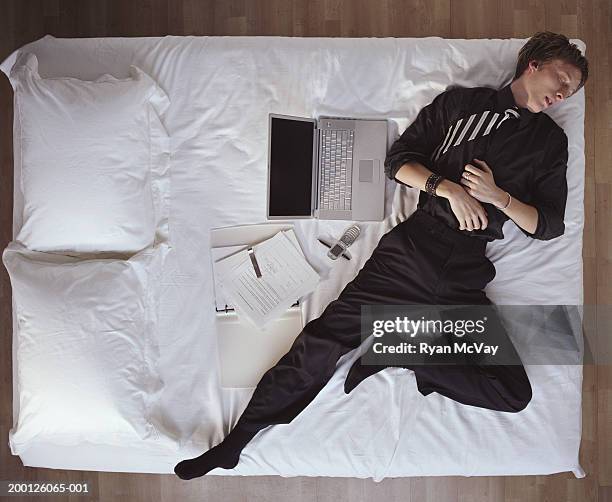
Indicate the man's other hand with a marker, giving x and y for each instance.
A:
(480, 183)
(469, 212)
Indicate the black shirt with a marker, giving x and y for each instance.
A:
(526, 151)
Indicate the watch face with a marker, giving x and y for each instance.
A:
(336, 250)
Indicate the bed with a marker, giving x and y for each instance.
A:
(221, 90)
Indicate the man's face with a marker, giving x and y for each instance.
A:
(549, 83)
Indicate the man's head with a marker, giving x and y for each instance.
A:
(549, 70)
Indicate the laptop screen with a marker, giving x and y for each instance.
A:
(290, 166)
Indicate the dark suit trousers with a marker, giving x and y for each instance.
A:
(419, 261)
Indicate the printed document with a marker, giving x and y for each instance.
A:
(286, 276)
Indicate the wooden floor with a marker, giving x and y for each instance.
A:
(24, 20)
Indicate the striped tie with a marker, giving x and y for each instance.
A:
(458, 131)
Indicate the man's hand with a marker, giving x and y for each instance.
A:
(469, 212)
(480, 184)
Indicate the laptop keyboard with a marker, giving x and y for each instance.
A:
(336, 182)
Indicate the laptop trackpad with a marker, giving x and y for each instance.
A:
(368, 171)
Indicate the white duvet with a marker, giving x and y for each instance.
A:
(221, 90)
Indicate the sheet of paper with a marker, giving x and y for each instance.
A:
(226, 258)
(286, 276)
(218, 254)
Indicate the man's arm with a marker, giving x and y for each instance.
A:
(409, 159)
(469, 212)
(549, 195)
(415, 175)
(418, 142)
(524, 215)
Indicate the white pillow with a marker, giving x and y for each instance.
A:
(85, 346)
(91, 161)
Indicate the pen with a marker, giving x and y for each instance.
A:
(254, 262)
(329, 247)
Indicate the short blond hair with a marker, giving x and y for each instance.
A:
(545, 46)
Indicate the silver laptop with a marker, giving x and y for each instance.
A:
(330, 168)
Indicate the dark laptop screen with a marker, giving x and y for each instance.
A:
(291, 167)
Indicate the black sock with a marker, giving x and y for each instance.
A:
(225, 455)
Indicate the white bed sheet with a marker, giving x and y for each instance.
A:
(221, 91)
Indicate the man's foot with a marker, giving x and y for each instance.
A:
(213, 458)
(225, 455)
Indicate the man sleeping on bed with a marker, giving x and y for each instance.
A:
(480, 157)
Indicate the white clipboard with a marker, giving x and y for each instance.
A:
(245, 352)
